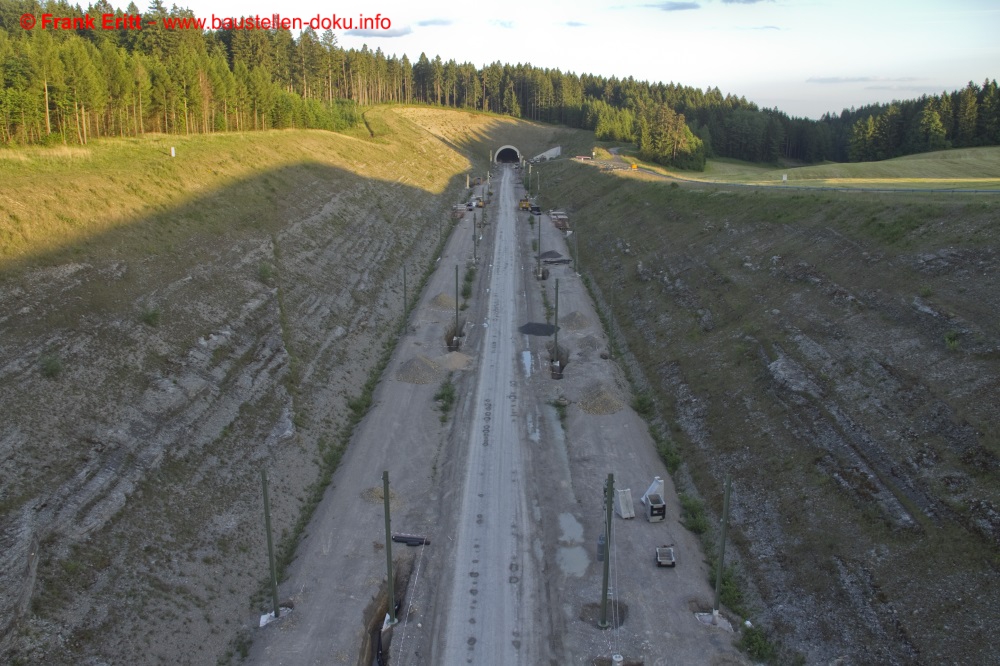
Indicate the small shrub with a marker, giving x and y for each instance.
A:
(561, 411)
(755, 644)
(150, 317)
(446, 398)
(926, 292)
(693, 514)
(51, 366)
(643, 405)
(951, 340)
(265, 273)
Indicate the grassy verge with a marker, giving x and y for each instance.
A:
(445, 397)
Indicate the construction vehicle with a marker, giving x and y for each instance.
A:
(525, 204)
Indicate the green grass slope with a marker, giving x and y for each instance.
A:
(963, 169)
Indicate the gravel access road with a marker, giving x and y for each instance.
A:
(490, 617)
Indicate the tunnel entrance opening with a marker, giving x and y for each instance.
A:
(508, 155)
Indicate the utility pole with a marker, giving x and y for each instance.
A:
(609, 489)
(722, 549)
(388, 548)
(456, 302)
(270, 545)
(404, 297)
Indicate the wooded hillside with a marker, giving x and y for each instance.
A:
(70, 86)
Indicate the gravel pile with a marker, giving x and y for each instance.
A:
(454, 361)
(574, 321)
(600, 399)
(443, 302)
(374, 495)
(418, 370)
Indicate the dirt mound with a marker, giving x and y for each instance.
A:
(574, 321)
(454, 361)
(600, 399)
(375, 495)
(418, 370)
(443, 302)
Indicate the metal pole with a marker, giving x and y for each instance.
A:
(539, 244)
(555, 351)
(722, 549)
(609, 491)
(404, 296)
(456, 301)
(270, 544)
(576, 251)
(388, 548)
(611, 323)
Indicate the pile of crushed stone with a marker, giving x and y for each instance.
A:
(454, 360)
(374, 495)
(574, 321)
(418, 370)
(443, 302)
(600, 399)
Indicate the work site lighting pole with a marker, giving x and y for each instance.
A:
(388, 548)
(609, 489)
(270, 545)
(722, 549)
(555, 350)
(539, 244)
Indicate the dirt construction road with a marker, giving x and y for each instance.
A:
(509, 492)
(491, 610)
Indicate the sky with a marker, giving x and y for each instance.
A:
(805, 57)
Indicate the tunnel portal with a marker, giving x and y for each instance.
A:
(507, 155)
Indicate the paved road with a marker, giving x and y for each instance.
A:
(490, 614)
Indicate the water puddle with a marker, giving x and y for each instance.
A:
(526, 360)
(572, 530)
(572, 559)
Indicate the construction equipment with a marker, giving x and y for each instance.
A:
(665, 556)
(656, 508)
(623, 503)
(525, 204)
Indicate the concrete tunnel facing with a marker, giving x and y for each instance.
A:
(507, 155)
